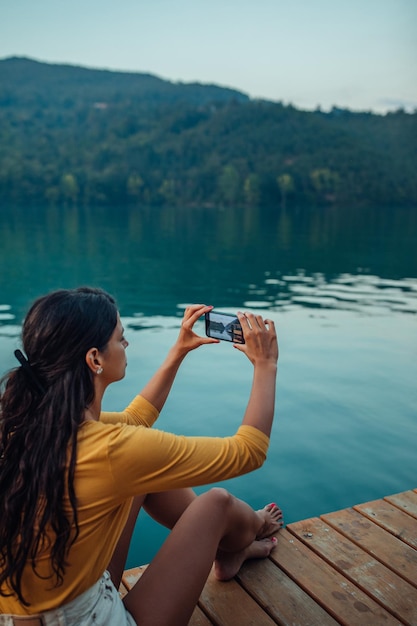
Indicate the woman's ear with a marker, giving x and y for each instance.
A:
(92, 359)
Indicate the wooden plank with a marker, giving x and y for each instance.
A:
(227, 604)
(355, 567)
(342, 599)
(407, 501)
(199, 619)
(390, 550)
(390, 518)
(280, 596)
(131, 576)
(380, 582)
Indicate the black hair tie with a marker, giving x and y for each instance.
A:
(28, 369)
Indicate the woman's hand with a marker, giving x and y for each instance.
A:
(187, 339)
(159, 386)
(261, 344)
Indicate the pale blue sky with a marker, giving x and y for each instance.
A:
(360, 54)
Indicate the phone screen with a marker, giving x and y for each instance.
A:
(224, 326)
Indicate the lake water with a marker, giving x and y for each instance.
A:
(341, 286)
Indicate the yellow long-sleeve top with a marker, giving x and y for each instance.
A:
(120, 457)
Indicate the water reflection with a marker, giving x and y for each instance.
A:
(154, 258)
(362, 293)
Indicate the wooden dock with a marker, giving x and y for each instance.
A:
(356, 567)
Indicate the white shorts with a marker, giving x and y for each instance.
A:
(100, 605)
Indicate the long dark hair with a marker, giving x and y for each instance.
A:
(38, 429)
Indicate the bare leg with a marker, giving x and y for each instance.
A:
(168, 591)
(165, 507)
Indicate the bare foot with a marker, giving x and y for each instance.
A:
(227, 564)
(273, 521)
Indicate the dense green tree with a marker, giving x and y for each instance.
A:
(73, 135)
(252, 190)
(286, 187)
(326, 183)
(135, 187)
(69, 188)
(229, 183)
(168, 191)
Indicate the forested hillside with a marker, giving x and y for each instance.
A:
(77, 135)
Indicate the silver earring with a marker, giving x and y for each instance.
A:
(99, 370)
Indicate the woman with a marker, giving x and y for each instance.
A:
(73, 478)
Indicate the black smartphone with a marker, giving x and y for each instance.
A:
(224, 326)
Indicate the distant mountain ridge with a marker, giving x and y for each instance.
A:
(26, 79)
(73, 135)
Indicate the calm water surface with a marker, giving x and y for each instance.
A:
(341, 286)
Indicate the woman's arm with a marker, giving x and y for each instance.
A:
(157, 389)
(261, 348)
